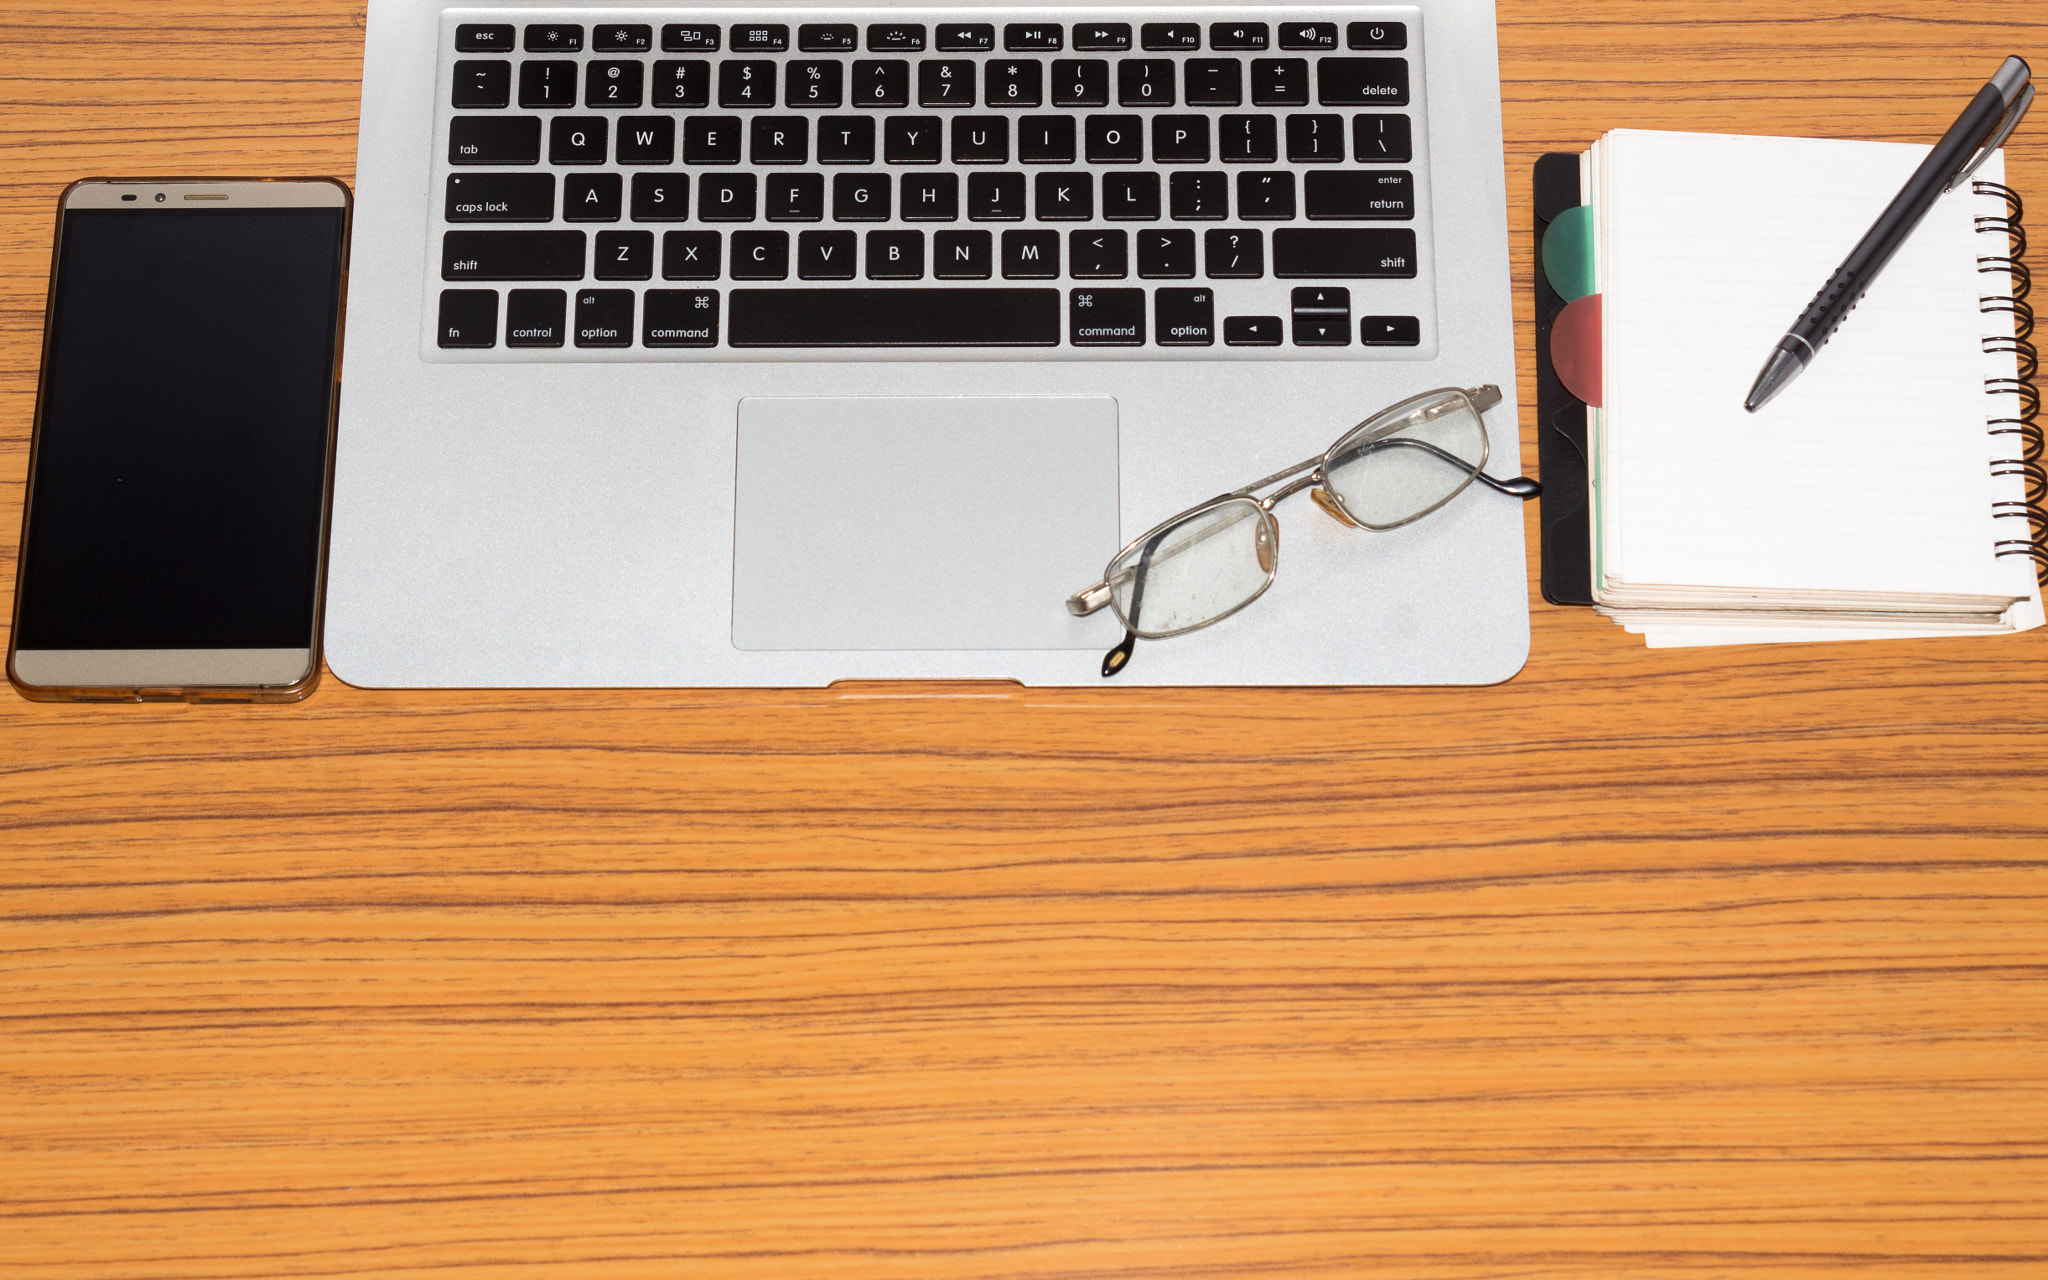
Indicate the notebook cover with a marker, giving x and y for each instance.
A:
(1567, 555)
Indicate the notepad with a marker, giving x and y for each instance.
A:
(1873, 496)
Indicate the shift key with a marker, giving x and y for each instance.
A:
(512, 255)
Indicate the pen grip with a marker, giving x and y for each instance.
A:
(1836, 299)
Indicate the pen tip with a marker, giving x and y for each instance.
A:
(1778, 372)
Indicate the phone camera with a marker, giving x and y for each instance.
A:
(159, 197)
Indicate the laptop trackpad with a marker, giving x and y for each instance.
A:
(941, 522)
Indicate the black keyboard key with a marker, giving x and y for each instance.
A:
(1031, 255)
(981, 140)
(1248, 140)
(930, 197)
(846, 140)
(469, 319)
(881, 84)
(760, 37)
(795, 197)
(1265, 195)
(814, 84)
(1308, 35)
(690, 255)
(726, 197)
(1315, 139)
(591, 197)
(1166, 254)
(912, 140)
(1238, 37)
(604, 317)
(1170, 36)
(645, 140)
(682, 84)
(895, 255)
(1098, 255)
(1362, 82)
(544, 85)
(494, 140)
(1130, 197)
(894, 317)
(689, 37)
(661, 197)
(711, 140)
(760, 255)
(1102, 37)
(1377, 35)
(536, 317)
(826, 255)
(1045, 140)
(962, 255)
(623, 255)
(481, 86)
(860, 197)
(1065, 197)
(995, 197)
(827, 37)
(1015, 82)
(485, 37)
(1251, 331)
(1106, 317)
(1184, 317)
(512, 255)
(1180, 139)
(1234, 255)
(1279, 82)
(1359, 195)
(943, 82)
(1033, 37)
(775, 140)
(622, 37)
(746, 84)
(965, 37)
(1080, 84)
(1200, 197)
(679, 318)
(1115, 139)
(1144, 82)
(1381, 139)
(554, 37)
(579, 140)
(896, 37)
(1389, 331)
(613, 84)
(1330, 253)
(500, 197)
(1215, 82)
(1322, 316)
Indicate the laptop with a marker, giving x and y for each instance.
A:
(786, 344)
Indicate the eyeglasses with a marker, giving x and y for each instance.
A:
(1209, 561)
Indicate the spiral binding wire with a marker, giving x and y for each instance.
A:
(2021, 424)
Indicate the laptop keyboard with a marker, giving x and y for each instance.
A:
(985, 183)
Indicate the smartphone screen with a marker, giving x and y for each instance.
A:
(179, 489)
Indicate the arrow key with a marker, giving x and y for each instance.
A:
(1390, 331)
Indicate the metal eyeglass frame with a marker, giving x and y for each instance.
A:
(1413, 411)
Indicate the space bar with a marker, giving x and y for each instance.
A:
(894, 318)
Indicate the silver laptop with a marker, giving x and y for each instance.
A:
(783, 344)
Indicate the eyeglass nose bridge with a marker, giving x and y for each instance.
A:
(1332, 509)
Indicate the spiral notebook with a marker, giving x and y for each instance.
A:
(1893, 489)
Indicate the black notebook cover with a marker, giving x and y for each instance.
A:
(1560, 417)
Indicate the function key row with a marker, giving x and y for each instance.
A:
(959, 317)
(911, 37)
(549, 84)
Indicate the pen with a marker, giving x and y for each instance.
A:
(1979, 131)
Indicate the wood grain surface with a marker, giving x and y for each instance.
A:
(1676, 964)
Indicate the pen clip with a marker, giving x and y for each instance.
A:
(1998, 136)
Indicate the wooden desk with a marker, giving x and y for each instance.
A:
(1646, 964)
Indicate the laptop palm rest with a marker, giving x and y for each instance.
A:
(941, 522)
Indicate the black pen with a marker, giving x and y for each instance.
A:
(1979, 131)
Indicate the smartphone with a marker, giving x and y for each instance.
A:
(174, 537)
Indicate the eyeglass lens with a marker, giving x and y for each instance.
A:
(1195, 571)
(1413, 469)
